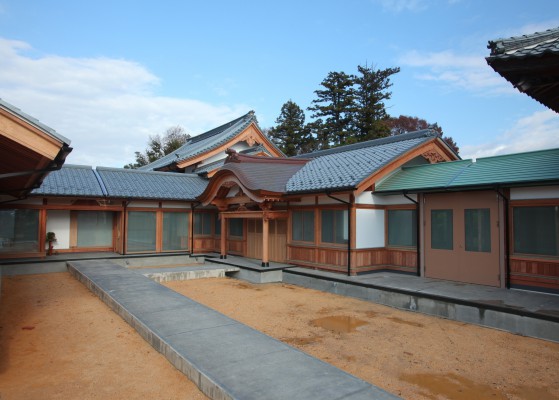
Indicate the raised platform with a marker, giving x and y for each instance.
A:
(226, 359)
(251, 270)
(521, 312)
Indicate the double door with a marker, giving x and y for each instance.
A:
(462, 237)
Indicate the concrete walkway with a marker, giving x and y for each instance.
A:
(522, 312)
(226, 359)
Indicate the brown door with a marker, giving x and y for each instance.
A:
(277, 239)
(462, 237)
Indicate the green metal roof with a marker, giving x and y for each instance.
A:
(532, 168)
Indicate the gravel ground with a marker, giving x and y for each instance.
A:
(59, 341)
(411, 355)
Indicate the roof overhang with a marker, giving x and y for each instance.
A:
(27, 153)
(538, 77)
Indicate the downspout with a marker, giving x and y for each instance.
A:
(417, 232)
(192, 208)
(348, 230)
(507, 237)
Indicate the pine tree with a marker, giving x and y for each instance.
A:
(290, 134)
(370, 115)
(336, 103)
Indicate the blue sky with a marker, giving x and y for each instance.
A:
(107, 74)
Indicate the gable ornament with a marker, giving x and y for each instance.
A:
(433, 157)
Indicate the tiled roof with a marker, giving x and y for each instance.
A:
(538, 167)
(345, 167)
(211, 166)
(529, 63)
(134, 184)
(71, 180)
(534, 45)
(271, 175)
(33, 121)
(204, 142)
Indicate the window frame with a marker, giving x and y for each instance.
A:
(388, 211)
(344, 227)
(207, 221)
(302, 227)
(540, 204)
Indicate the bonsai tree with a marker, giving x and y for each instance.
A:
(51, 238)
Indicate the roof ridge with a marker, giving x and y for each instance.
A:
(503, 45)
(100, 182)
(220, 128)
(371, 143)
(137, 171)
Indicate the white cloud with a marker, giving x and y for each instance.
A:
(398, 6)
(107, 107)
(534, 132)
(464, 72)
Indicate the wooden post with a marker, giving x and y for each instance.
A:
(223, 247)
(265, 244)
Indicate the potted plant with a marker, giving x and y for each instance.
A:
(51, 238)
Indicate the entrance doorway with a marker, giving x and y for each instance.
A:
(277, 239)
(462, 239)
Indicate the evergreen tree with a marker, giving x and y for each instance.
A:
(336, 103)
(290, 134)
(158, 146)
(371, 92)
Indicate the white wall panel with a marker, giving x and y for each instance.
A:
(369, 229)
(58, 221)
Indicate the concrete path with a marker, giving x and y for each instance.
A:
(226, 359)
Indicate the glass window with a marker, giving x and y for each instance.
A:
(236, 227)
(478, 229)
(334, 226)
(217, 225)
(302, 228)
(536, 230)
(441, 229)
(141, 231)
(175, 231)
(95, 228)
(402, 228)
(19, 230)
(203, 223)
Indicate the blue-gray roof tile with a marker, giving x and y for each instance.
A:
(134, 184)
(204, 142)
(71, 180)
(345, 167)
(533, 45)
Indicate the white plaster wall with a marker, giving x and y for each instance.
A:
(144, 204)
(328, 200)
(369, 229)
(532, 193)
(175, 205)
(369, 198)
(239, 146)
(58, 221)
(305, 201)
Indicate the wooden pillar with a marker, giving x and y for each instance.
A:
(223, 247)
(265, 242)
